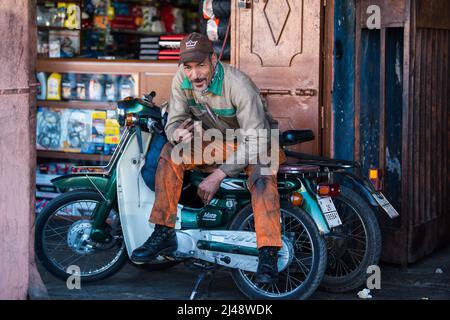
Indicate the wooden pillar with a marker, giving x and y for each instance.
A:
(17, 148)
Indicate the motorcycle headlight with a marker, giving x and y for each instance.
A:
(131, 120)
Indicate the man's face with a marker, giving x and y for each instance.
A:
(200, 73)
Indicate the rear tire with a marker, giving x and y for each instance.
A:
(348, 259)
(308, 244)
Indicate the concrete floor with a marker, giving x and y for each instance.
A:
(419, 281)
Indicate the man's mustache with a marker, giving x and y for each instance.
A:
(199, 80)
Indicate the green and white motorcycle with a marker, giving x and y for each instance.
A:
(102, 216)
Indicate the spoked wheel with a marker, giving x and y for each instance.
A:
(353, 246)
(62, 238)
(307, 257)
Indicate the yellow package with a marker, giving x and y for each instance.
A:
(99, 115)
(54, 87)
(73, 20)
(112, 130)
(112, 123)
(112, 139)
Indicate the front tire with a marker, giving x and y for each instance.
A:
(302, 277)
(62, 238)
(357, 244)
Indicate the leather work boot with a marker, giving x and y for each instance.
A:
(163, 240)
(267, 272)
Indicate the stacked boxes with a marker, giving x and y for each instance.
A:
(77, 130)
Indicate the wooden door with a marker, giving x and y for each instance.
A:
(278, 44)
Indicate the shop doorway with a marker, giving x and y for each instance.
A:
(278, 44)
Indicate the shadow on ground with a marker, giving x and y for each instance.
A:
(418, 281)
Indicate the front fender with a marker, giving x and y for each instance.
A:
(96, 182)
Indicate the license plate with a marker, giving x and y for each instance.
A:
(329, 211)
(384, 203)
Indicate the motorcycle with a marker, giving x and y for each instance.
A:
(354, 243)
(103, 216)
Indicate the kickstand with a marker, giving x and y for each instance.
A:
(211, 274)
(201, 277)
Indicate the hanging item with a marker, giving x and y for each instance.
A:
(221, 8)
(208, 9)
(212, 27)
(216, 9)
(216, 29)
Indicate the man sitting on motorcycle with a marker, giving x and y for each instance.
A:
(221, 97)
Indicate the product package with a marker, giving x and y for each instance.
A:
(54, 86)
(54, 50)
(76, 129)
(127, 88)
(69, 43)
(98, 131)
(69, 86)
(82, 87)
(96, 88)
(111, 87)
(48, 128)
(42, 44)
(112, 132)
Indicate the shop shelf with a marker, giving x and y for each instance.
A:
(72, 156)
(77, 104)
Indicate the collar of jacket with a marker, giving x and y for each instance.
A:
(214, 87)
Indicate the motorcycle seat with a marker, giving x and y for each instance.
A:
(293, 137)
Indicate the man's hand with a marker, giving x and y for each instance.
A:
(208, 188)
(184, 132)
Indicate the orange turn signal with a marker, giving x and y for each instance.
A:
(328, 190)
(373, 174)
(296, 199)
(375, 177)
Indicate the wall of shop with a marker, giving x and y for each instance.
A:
(17, 150)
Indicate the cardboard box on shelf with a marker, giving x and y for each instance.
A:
(98, 131)
(76, 132)
(112, 132)
(48, 128)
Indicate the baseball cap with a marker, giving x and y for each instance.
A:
(195, 47)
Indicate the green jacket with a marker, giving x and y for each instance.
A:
(232, 101)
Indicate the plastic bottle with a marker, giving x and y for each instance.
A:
(110, 88)
(42, 89)
(54, 87)
(126, 87)
(95, 88)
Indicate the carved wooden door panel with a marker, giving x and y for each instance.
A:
(278, 44)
